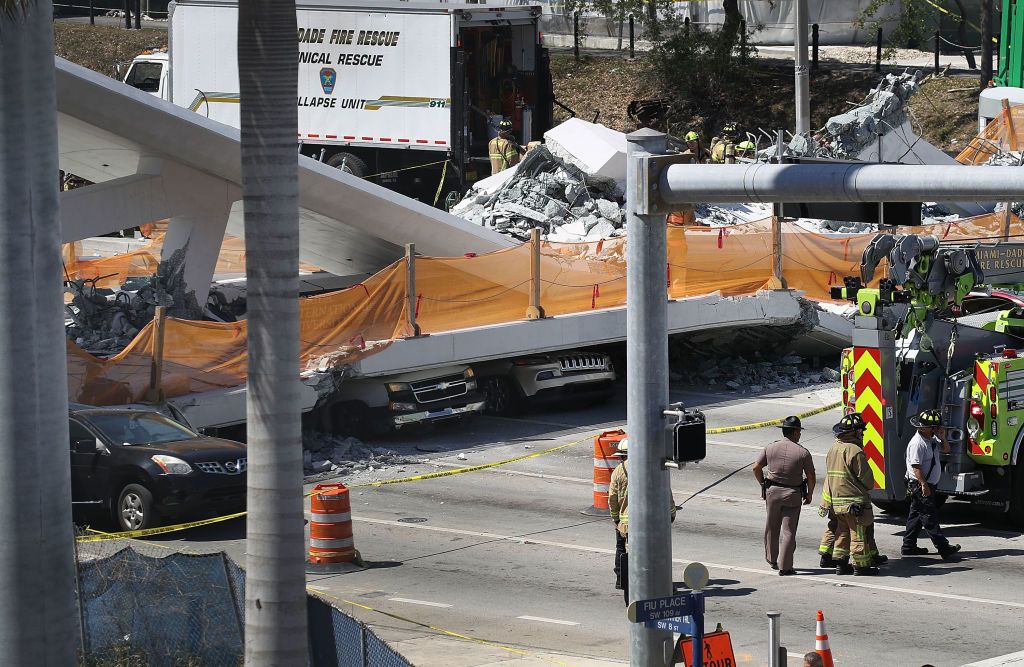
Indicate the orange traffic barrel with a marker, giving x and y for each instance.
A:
(330, 527)
(605, 461)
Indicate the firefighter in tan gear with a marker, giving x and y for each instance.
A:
(503, 149)
(618, 504)
(845, 500)
(718, 144)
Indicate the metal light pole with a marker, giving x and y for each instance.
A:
(650, 541)
(803, 95)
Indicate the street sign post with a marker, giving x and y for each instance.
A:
(682, 626)
(656, 609)
(668, 613)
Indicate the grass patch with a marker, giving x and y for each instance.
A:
(608, 84)
(945, 113)
(101, 48)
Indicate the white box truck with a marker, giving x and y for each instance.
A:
(390, 90)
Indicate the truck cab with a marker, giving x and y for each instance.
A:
(148, 72)
(369, 406)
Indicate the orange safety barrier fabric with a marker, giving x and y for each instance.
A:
(459, 292)
(201, 356)
(113, 270)
(1005, 132)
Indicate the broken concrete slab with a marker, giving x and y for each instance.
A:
(597, 150)
(548, 192)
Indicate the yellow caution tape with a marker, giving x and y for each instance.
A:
(956, 16)
(773, 422)
(459, 471)
(415, 166)
(449, 633)
(444, 172)
(100, 536)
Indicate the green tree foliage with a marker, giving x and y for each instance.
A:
(704, 71)
(914, 27)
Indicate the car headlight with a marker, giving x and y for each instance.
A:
(399, 406)
(171, 465)
(470, 385)
(396, 387)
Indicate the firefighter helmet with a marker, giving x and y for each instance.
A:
(623, 448)
(849, 424)
(927, 419)
(692, 136)
(505, 125)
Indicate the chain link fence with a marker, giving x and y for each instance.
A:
(771, 22)
(144, 604)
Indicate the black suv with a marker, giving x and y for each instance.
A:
(140, 466)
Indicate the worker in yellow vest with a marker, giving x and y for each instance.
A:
(746, 150)
(503, 149)
(728, 136)
(618, 508)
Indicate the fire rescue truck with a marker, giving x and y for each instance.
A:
(914, 349)
(406, 92)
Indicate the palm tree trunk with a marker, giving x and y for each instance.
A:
(38, 616)
(275, 599)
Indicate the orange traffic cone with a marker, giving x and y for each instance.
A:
(821, 646)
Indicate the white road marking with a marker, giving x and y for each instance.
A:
(847, 581)
(575, 427)
(576, 480)
(726, 402)
(422, 602)
(1000, 661)
(547, 620)
(742, 445)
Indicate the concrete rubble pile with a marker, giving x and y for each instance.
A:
(548, 192)
(750, 359)
(327, 455)
(1006, 159)
(726, 215)
(759, 373)
(102, 321)
(849, 134)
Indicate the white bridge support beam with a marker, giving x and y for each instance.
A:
(197, 204)
(101, 208)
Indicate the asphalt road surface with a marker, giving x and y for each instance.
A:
(501, 567)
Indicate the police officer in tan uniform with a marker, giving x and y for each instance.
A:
(785, 472)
